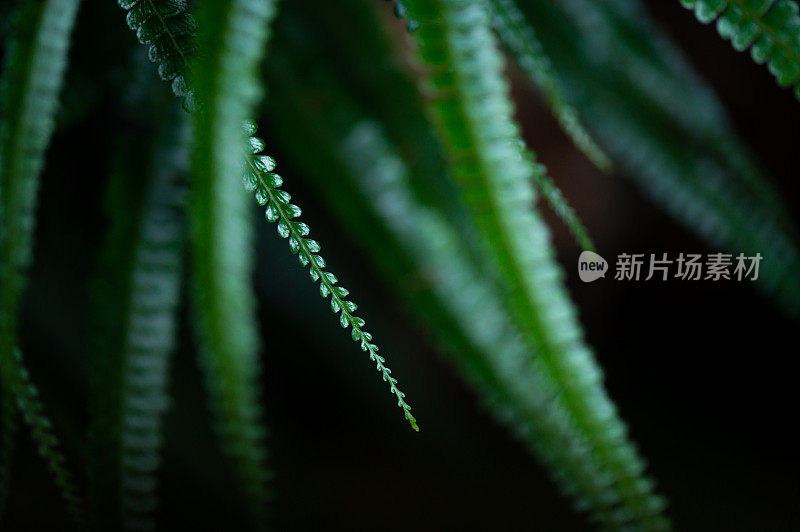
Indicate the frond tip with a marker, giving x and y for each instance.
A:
(259, 177)
(770, 28)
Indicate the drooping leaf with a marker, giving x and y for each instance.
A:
(232, 38)
(33, 71)
(469, 98)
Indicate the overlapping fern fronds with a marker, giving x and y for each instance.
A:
(33, 72)
(470, 99)
(769, 28)
(668, 131)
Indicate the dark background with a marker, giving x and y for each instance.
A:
(704, 373)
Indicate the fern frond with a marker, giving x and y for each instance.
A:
(168, 30)
(521, 40)
(769, 28)
(155, 296)
(470, 99)
(261, 179)
(27, 398)
(668, 131)
(32, 76)
(233, 34)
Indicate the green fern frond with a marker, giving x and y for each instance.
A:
(470, 99)
(155, 295)
(168, 30)
(32, 76)
(261, 179)
(521, 40)
(668, 131)
(232, 38)
(769, 28)
(30, 406)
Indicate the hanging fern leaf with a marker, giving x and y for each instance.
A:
(469, 97)
(233, 35)
(168, 30)
(769, 28)
(261, 179)
(521, 40)
(137, 292)
(32, 76)
(30, 406)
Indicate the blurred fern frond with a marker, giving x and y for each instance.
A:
(521, 40)
(232, 38)
(33, 72)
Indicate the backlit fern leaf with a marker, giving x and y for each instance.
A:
(261, 179)
(168, 30)
(521, 40)
(32, 76)
(233, 34)
(470, 99)
(770, 28)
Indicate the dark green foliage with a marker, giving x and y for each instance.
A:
(445, 208)
(667, 131)
(36, 57)
(769, 28)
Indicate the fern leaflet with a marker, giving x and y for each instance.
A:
(770, 28)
